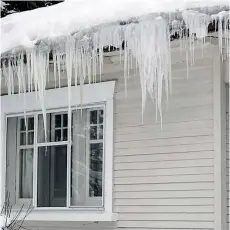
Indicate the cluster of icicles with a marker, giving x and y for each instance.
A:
(147, 48)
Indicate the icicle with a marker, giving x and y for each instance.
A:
(197, 23)
(28, 65)
(9, 76)
(149, 45)
(70, 47)
(58, 60)
(38, 67)
(222, 30)
(55, 68)
(214, 18)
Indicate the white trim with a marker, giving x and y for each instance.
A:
(58, 98)
(220, 191)
(55, 99)
(69, 215)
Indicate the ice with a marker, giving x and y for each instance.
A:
(76, 32)
(26, 29)
(223, 32)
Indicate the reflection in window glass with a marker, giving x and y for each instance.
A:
(29, 122)
(57, 127)
(95, 175)
(87, 158)
(26, 173)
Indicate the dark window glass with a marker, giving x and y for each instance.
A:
(65, 134)
(52, 176)
(58, 135)
(65, 120)
(93, 117)
(96, 165)
(57, 121)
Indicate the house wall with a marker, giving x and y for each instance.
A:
(164, 178)
(228, 158)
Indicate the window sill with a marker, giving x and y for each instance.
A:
(70, 215)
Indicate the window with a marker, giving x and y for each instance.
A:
(67, 171)
(68, 165)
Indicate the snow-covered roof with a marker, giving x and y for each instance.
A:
(25, 29)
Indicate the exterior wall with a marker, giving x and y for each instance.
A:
(228, 158)
(164, 178)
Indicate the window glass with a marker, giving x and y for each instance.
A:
(95, 169)
(57, 127)
(26, 173)
(52, 176)
(48, 155)
(27, 131)
(87, 158)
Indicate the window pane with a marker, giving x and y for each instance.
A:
(58, 135)
(65, 120)
(26, 173)
(87, 159)
(65, 135)
(22, 124)
(11, 159)
(95, 175)
(30, 138)
(52, 176)
(100, 132)
(57, 121)
(93, 117)
(30, 124)
(23, 138)
(93, 132)
(101, 114)
(41, 128)
(57, 126)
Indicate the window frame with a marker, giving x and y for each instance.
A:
(20, 201)
(56, 99)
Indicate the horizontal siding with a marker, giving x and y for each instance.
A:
(164, 134)
(199, 186)
(164, 177)
(165, 224)
(165, 209)
(165, 164)
(173, 127)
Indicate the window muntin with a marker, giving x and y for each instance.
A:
(84, 150)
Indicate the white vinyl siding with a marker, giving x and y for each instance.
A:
(164, 178)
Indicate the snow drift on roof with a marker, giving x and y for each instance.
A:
(23, 30)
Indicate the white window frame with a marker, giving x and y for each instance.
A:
(90, 94)
(20, 201)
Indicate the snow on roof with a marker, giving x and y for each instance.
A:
(23, 30)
